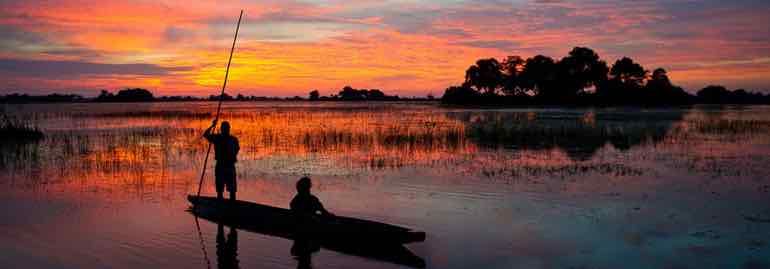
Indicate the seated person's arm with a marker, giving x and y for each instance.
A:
(321, 208)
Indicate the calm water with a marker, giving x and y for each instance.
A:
(513, 188)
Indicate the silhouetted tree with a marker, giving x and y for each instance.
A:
(460, 95)
(625, 83)
(581, 69)
(539, 76)
(374, 94)
(741, 96)
(713, 94)
(134, 95)
(659, 79)
(628, 72)
(126, 95)
(104, 95)
(348, 93)
(511, 69)
(224, 97)
(314, 95)
(660, 90)
(486, 76)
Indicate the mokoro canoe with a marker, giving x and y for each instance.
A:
(242, 214)
(347, 235)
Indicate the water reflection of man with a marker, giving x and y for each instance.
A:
(227, 248)
(226, 154)
(302, 249)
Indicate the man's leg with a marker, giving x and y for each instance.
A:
(219, 181)
(231, 187)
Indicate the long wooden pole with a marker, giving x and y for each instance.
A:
(219, 106)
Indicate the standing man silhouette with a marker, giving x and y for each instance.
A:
(226, 155)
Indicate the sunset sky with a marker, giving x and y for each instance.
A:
(410, 48)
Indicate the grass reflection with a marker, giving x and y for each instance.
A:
(580, 134)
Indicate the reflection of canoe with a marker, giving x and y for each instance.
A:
(343, 234)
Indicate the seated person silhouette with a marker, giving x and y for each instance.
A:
(226, 155)
(306, 203)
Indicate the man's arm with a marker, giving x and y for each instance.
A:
(207, 134)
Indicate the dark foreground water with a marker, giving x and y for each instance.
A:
(512, 188)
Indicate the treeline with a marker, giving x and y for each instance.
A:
(143, 95)
(720, 95)
(16, 98)
(127, 95)
(580, 78)
(350, 94)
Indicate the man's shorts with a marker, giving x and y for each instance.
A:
(224, 175)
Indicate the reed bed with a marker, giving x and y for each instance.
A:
(18, 130)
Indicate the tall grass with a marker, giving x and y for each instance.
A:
(18, 130)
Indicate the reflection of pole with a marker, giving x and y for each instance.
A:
(203, 246)
(219, 106)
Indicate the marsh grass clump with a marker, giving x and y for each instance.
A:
(16, 130)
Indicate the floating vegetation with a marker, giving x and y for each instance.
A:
(16, 130)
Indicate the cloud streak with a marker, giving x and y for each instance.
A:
(78, 70)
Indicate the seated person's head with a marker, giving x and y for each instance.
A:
(304, 184)
(225, 128)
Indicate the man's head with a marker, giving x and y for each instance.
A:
(304, 184)
(225, 128)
